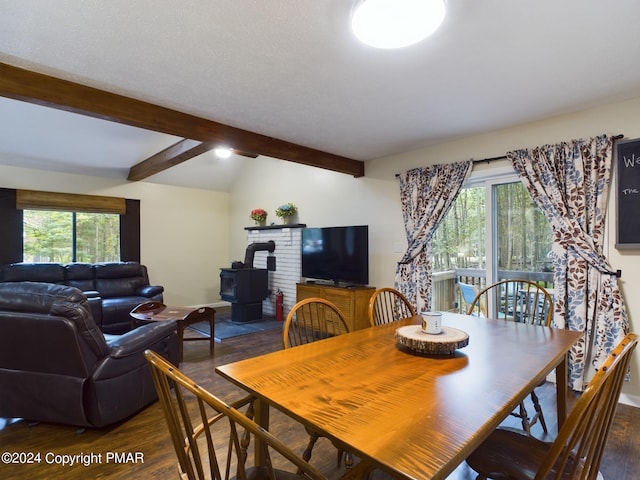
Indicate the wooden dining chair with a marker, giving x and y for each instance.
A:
(520, 301)
(388, 305)
(517, 300)
(210, 437)
(577, 450)
(310, 320)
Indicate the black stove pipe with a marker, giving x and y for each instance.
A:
(269, 246)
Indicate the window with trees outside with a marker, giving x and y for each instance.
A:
(64, 237)
(479, 245)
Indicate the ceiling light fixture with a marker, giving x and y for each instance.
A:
(395, 23)
(222, 152)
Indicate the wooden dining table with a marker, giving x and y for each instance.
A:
(413, 416)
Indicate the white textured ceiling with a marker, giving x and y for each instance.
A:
(292, 70)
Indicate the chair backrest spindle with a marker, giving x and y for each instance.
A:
(388, 305)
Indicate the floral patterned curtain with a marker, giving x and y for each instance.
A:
(426, 195)
(570, 184)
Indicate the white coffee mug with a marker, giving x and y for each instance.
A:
(431, 322)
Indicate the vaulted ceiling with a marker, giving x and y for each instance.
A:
(130, 81)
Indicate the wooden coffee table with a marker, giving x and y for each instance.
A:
(183, 316)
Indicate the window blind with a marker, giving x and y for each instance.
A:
(36, 200)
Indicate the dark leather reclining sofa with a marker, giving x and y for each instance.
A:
(57, 366)
(113, 289)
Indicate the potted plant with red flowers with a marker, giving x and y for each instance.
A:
(259, 216)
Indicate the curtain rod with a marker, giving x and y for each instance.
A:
(489, 160)
(504, 157)
(484, 160)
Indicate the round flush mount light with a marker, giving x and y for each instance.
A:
(222, 152)
(396, 23)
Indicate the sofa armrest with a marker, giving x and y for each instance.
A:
(95, 305)
(127, 350)
(138, 340)
(150, 291)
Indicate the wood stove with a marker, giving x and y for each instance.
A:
(246, 287)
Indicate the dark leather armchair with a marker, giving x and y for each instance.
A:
(57, 366)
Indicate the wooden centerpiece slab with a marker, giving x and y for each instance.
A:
(414, 340)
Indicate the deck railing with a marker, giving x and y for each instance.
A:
(447, 297)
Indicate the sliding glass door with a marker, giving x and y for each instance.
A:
(478, 246)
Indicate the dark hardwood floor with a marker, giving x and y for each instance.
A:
(145, 435)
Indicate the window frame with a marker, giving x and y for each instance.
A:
(11, 248)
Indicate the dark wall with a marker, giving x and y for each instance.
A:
(130, 232)
(11, 228)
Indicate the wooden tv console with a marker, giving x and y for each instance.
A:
(353, 302)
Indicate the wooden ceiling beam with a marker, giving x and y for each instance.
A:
(167, 158)
(175, 154)
(40, 89)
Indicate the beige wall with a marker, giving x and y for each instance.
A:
(184, 232)
(328, 199)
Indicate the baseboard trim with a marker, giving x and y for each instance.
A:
(632, 400)
(216, 304)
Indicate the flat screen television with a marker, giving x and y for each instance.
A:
(336, 254)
